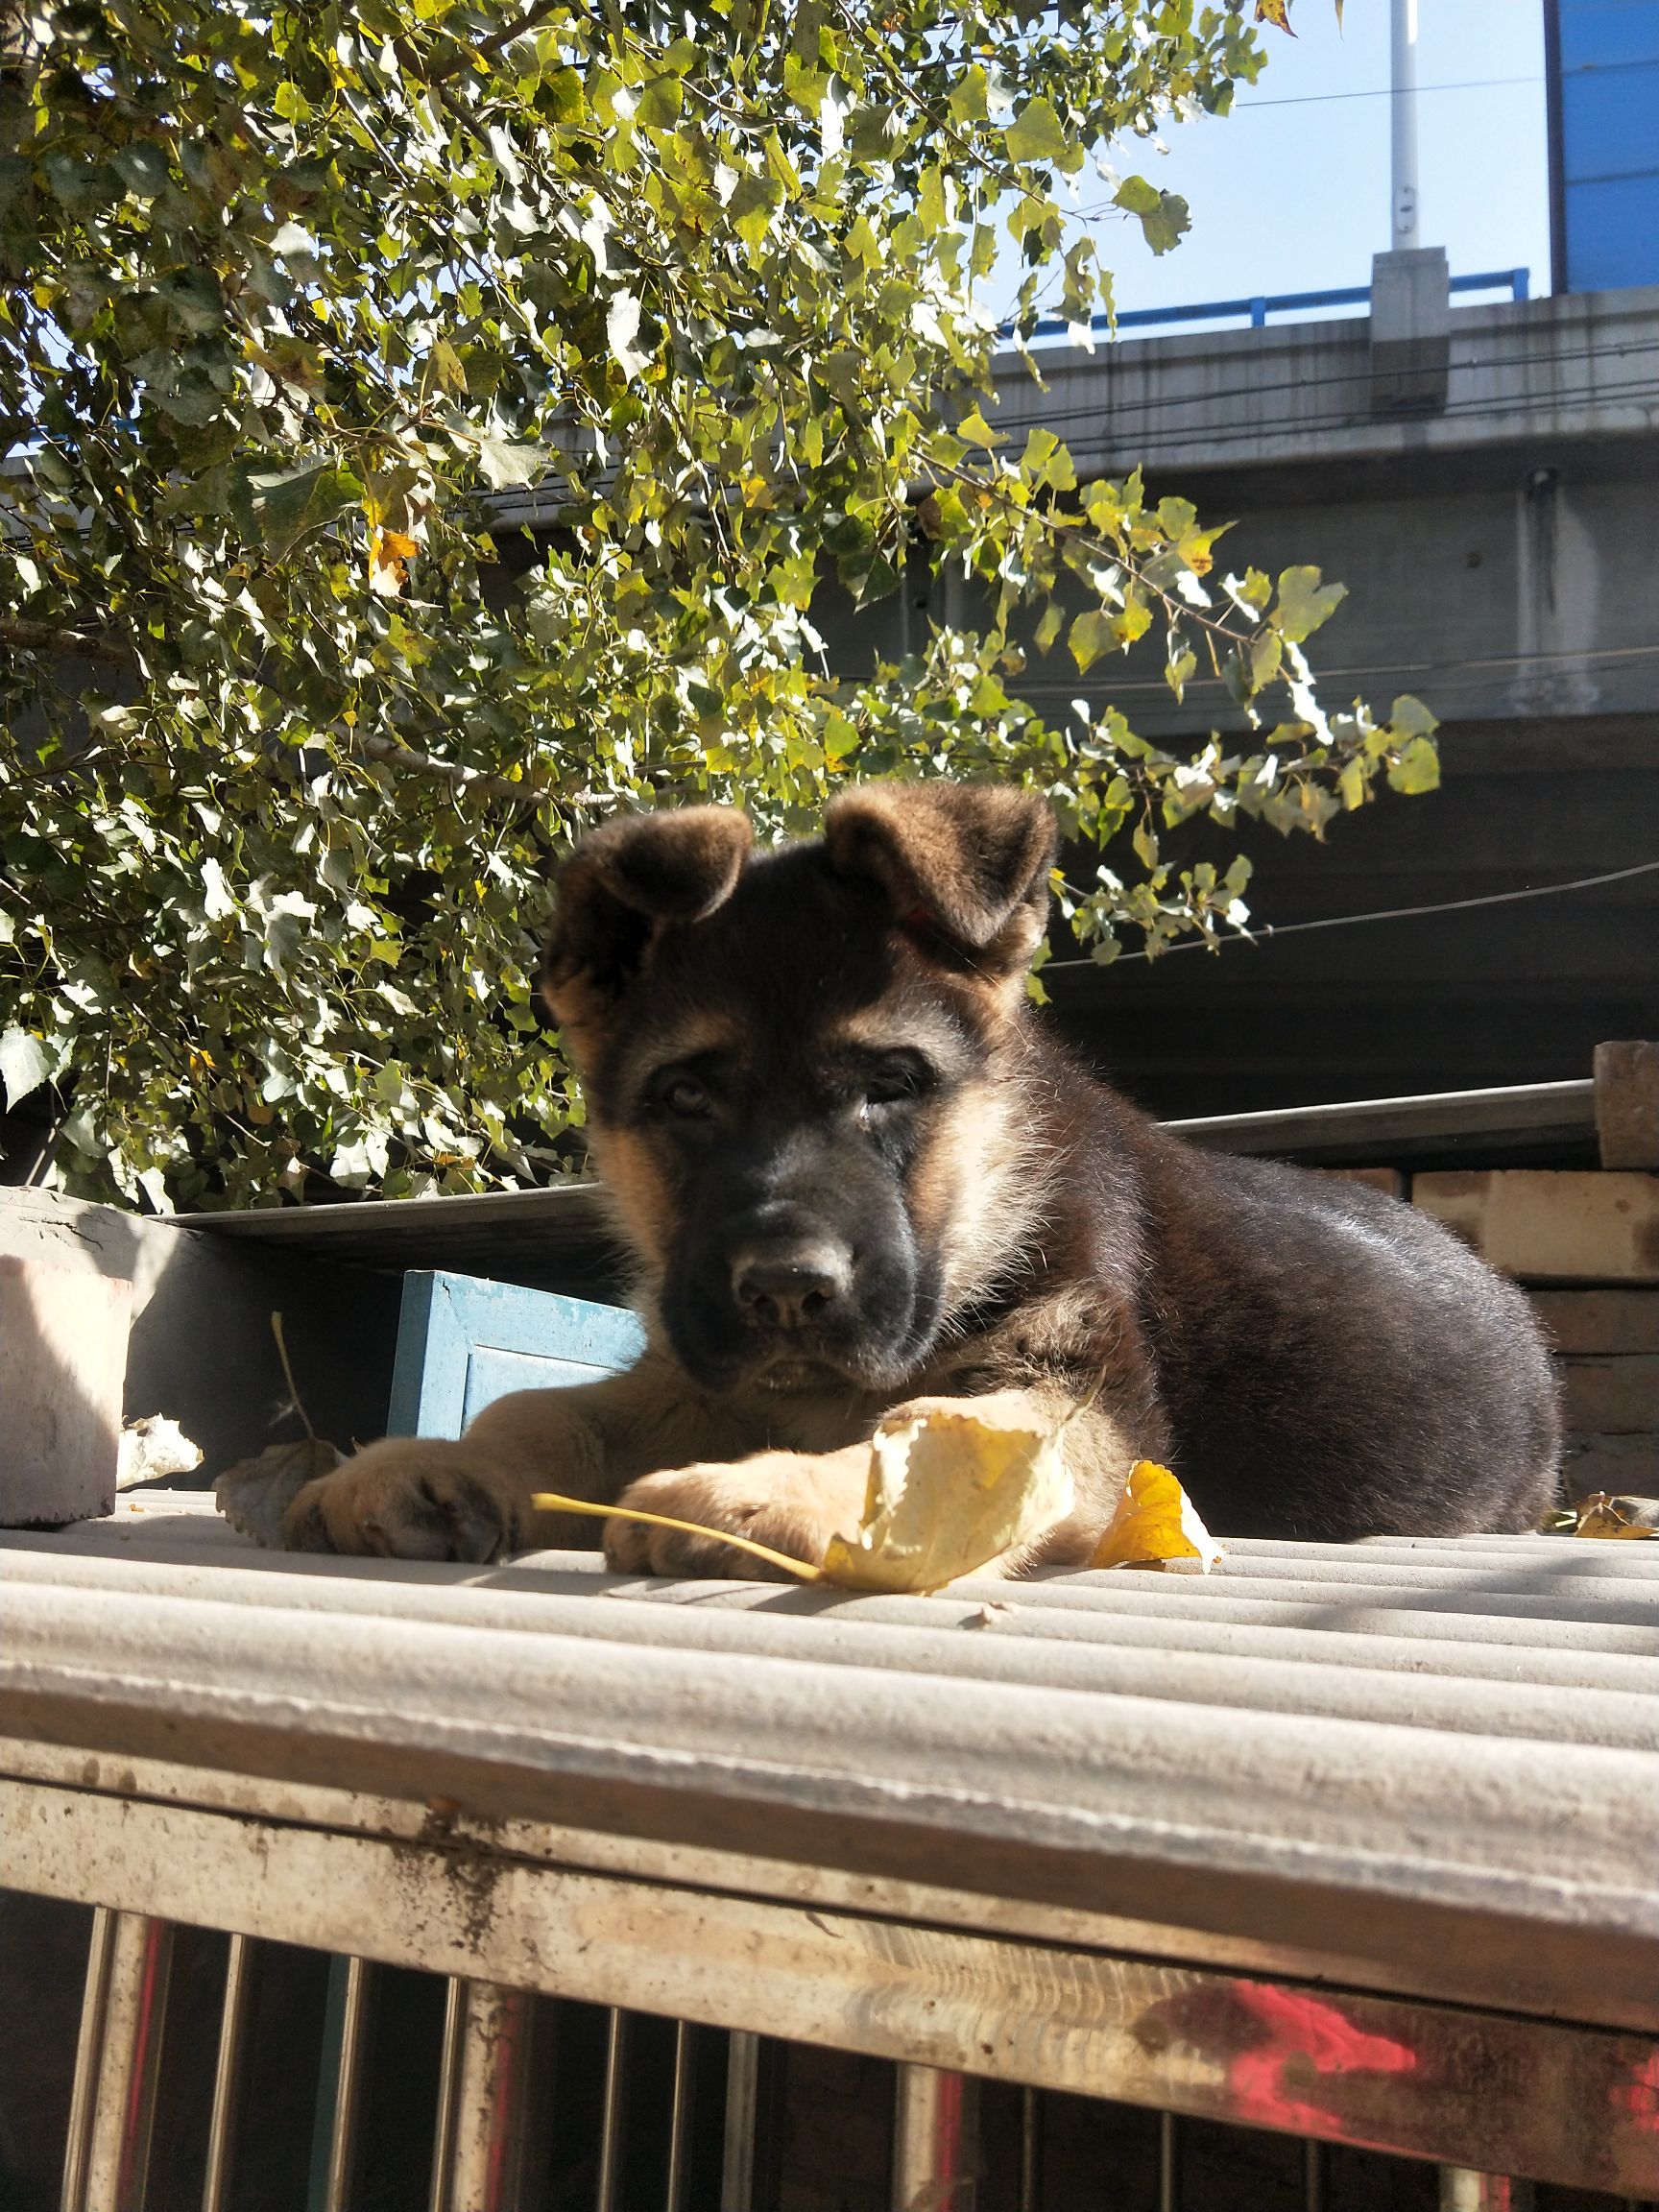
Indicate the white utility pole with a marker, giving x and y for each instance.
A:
(1406, 229)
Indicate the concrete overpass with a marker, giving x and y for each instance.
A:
(1486, 481)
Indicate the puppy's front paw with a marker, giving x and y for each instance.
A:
(410, 1497)
(788, 1500)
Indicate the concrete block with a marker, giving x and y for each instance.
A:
(1627, 1103)
(62, 1363)
(1618, 1397)
(1410, 331)
(1599, 1321)
(201, 1352)
(1551, 1225)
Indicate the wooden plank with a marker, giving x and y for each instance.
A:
(1549, 1225)
(1627, 1103)
(1599, 1321)
(62, 1362)
(558, 1239)
(464, 1342)
(1544, 2098)
(1613, 1464)
(1617, 1397)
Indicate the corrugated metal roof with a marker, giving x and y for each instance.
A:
(1430, 1761)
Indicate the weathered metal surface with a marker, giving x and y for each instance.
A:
(1323, 1752)
(1490, 2091)
(1607, 1700)
(1398, 1127)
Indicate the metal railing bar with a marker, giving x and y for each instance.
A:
(1312, 2177)
(448, 2090)
(1517, 282)
(1030, 2150)
(1463, 2190)
(115, 2172)
(605, 2196)
(482, 2100)
(226, 2074)
(88, 2051)
(340, 2084)
(679, 2118)
(1168, 2164)
(742, 2113)
(935, 2140)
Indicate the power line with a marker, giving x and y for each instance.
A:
(1382, 92)
(1382, 914)
(1569, 657)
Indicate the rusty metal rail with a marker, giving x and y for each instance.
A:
(1357, 1843)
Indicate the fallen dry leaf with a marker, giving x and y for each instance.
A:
(949, 1491)
(1156, 1525)
(256, 1493)
(1599, 1515)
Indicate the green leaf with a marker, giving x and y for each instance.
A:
(288, 504)
(976, 431)
(25, 1063)
(1305, 603)
(1418, 767)
(1091, 635)
(1162, 215)
(1037, 135)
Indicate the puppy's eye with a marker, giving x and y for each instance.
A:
(892, 1086)
(685, 1095)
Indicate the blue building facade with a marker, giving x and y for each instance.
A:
(1603, 65)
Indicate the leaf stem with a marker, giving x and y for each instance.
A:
(288, 1376)
(550, 1501)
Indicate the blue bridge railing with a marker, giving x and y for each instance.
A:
(1515, 282)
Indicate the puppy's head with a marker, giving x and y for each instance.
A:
(801, 1069)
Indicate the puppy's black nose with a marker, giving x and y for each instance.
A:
(788, 1287)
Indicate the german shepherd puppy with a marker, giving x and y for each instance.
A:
(857, 1174)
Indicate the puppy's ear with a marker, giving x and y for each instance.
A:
(965, 865)
(618, 889)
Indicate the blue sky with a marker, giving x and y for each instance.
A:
(1290, 192)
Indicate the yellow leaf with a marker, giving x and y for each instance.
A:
(388, 551)
(1155, 1525)
(948, 1492)
(1599, 1515)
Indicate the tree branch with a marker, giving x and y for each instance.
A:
(496, 41)
(47, 638)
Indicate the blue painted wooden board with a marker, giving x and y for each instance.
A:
(463, 1342)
